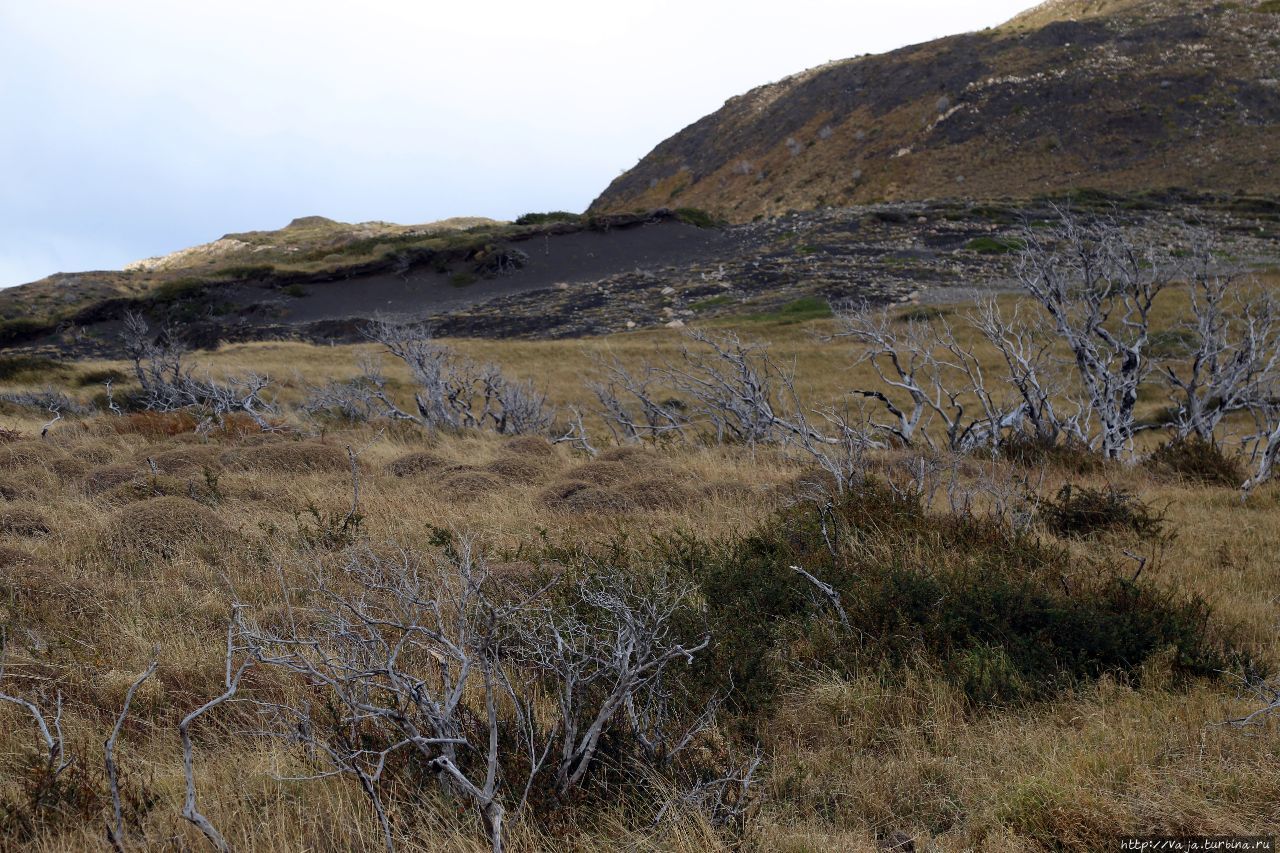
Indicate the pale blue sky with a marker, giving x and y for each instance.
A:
(137, 127)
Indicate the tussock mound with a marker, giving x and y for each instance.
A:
(629, 456)
(95, 452)
(288, 457)
(27, 454)
(656, 493)
(17, 489)
(468, 485)
(23, 521)
(517, 469)
(184, 460)
(529, 445)
(164, 526)
(68, 468)
(579, 496)
(422, 462)
(10, 556)
(104, 478)
(599, 473)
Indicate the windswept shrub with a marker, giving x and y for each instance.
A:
(1070, 456)
(1198, 461)
(995, 610)
(1079, 511)
(517, 469)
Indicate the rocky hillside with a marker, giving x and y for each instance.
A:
(1119, 95)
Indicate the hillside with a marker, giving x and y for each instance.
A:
(1119, 95)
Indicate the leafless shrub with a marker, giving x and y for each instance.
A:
(923, 362)
(1235, 348)
(454, 392)
(115, 825)
(54, 760)
(168, 384)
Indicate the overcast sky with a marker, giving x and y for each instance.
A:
(136, 127)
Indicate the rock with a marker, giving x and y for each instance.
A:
(675, 324)
(631, 324)
(667, 291)
(560, 285)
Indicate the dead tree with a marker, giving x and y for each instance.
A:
(406, 650)
(168, 384)
(453, 392)
(1049, 414)
(1231, 360)
(1098, 287)
(603, 654)
(941, 380)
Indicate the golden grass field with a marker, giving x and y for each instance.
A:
(97, 570)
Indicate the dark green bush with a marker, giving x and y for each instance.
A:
(1079, 511)
(1197, 460)
(696, 217)
(19, 366)
(547, 218)
(994, 610)
(1031, 452)
(21, 329)
(995, 245)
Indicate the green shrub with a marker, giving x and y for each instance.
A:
(1031, 452)
(22, 366)
(547, 218)
(22, 329)
(1079, 511)
(247, 271)
(695, 217)
(98, 377)
(995, 245)
(991, 609)
(1197, 460)
(797, 311)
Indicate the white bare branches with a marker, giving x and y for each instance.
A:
(53, 745)
(1098, 288)
(1233, 342)
(168, 384)
(935, 377)
(115, 826)
(234, 671)
(453, 392)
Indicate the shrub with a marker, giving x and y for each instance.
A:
(19, 366)
(516, 468)
(184, 460)
(695, 217)
(656, 493)
(580, 496)
(529, 445)
(1031, 452)
(21, 330)
(468, 485)
(1079, 511)
(990, 607)
(600, 473)
(104, 478)
(995, 245)
(27, 454)
(1197, 460)
(547, 218)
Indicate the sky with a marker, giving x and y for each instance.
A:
(134, 128)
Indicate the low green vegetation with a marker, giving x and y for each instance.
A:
(995, 245)
(549, 217)
(797, 311)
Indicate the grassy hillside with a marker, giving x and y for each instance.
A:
(1115, 96)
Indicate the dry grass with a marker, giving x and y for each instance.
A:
(111, 570)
